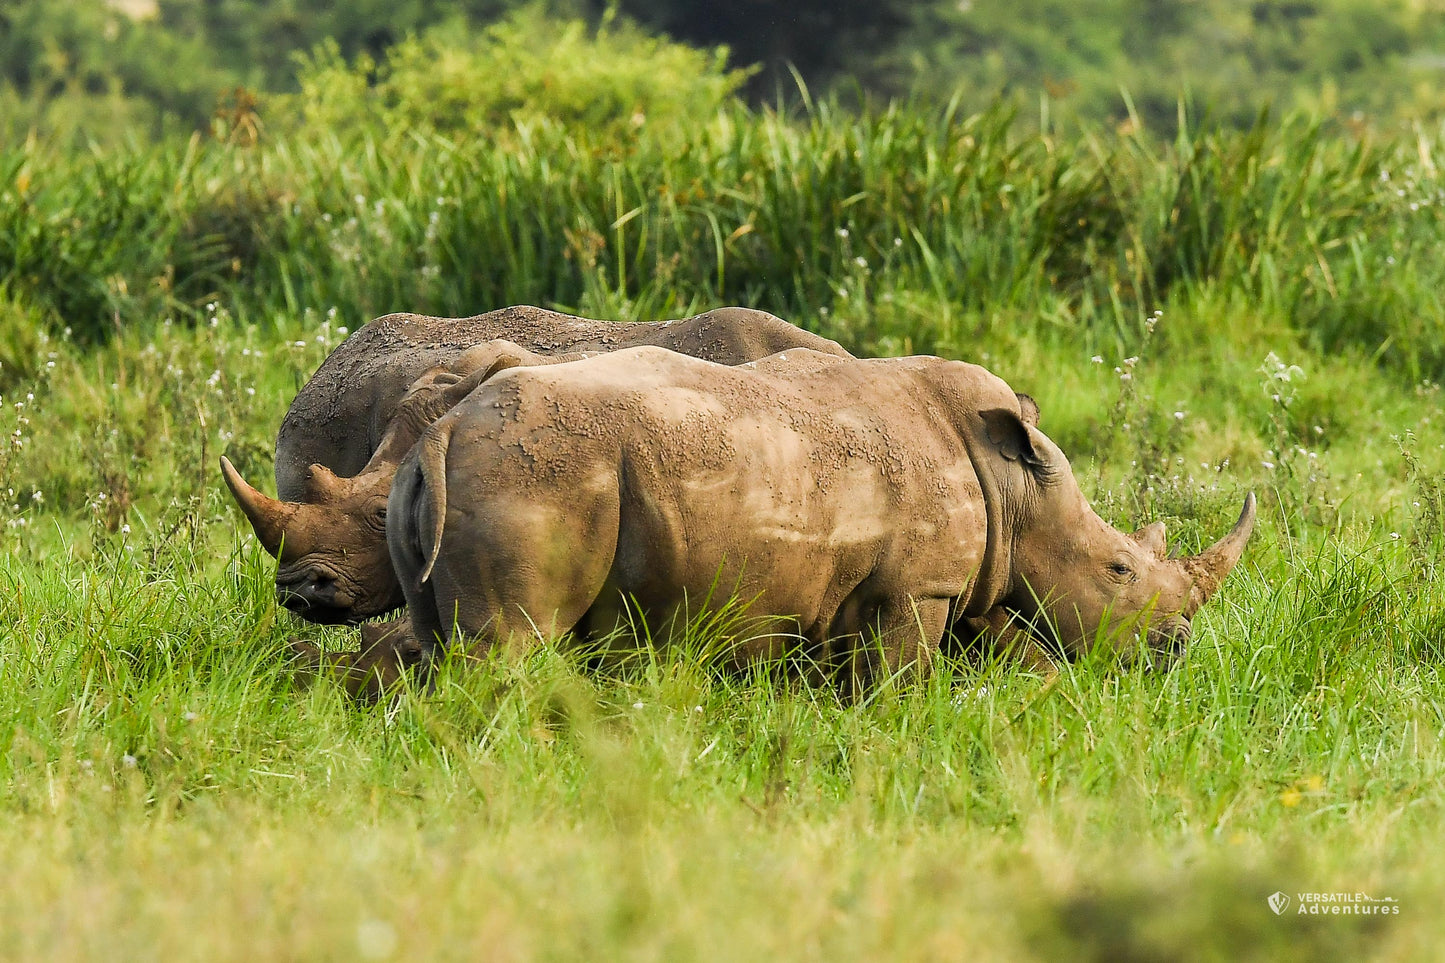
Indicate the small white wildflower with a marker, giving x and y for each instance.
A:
(698, 709)
(1178, 416)
(843, 232)
(189, 716)
(343, 329)
(1395, 535)
(1098, 359)
(1268, 464)
(128, 761)
(638, 705)
(125, 529)
(861, 262)
(37, 496)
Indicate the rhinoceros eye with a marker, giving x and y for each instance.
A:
(1121, 570)
(377, 517)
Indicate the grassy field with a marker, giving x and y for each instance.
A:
(168, 792)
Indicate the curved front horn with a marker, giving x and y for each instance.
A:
(1209, 567)
(267, 515)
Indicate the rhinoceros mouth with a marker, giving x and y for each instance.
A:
(1161, 645)
(317, 595)
(318, 612)
(1166, 643)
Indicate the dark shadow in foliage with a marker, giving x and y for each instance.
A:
(1213, 914)
(820, 39)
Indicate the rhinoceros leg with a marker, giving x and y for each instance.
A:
(519, 570)
(902, 636)
(386, 651)
(1002, 634)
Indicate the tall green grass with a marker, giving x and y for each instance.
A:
(159, 769)
(907, 226)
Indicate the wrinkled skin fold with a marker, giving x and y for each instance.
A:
(864, 507)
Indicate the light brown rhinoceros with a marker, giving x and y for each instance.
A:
(859, 507)
(372, 397)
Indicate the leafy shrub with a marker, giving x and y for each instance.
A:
(610, 82)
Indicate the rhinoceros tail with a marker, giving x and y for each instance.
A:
(432, 459)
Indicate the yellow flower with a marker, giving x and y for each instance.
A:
(1290, 797)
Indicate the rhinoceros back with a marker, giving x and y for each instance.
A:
(340, 415)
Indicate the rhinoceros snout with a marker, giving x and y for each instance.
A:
(316, 597)
(1168, 642)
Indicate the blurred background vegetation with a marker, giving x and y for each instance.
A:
(136, 68)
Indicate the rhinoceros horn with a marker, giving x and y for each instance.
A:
(1209, 567)
(267, 515)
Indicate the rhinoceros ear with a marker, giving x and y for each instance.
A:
(1018, 441)
(1009, 435)
(1028, 409)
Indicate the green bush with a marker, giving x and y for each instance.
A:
(611, 83)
